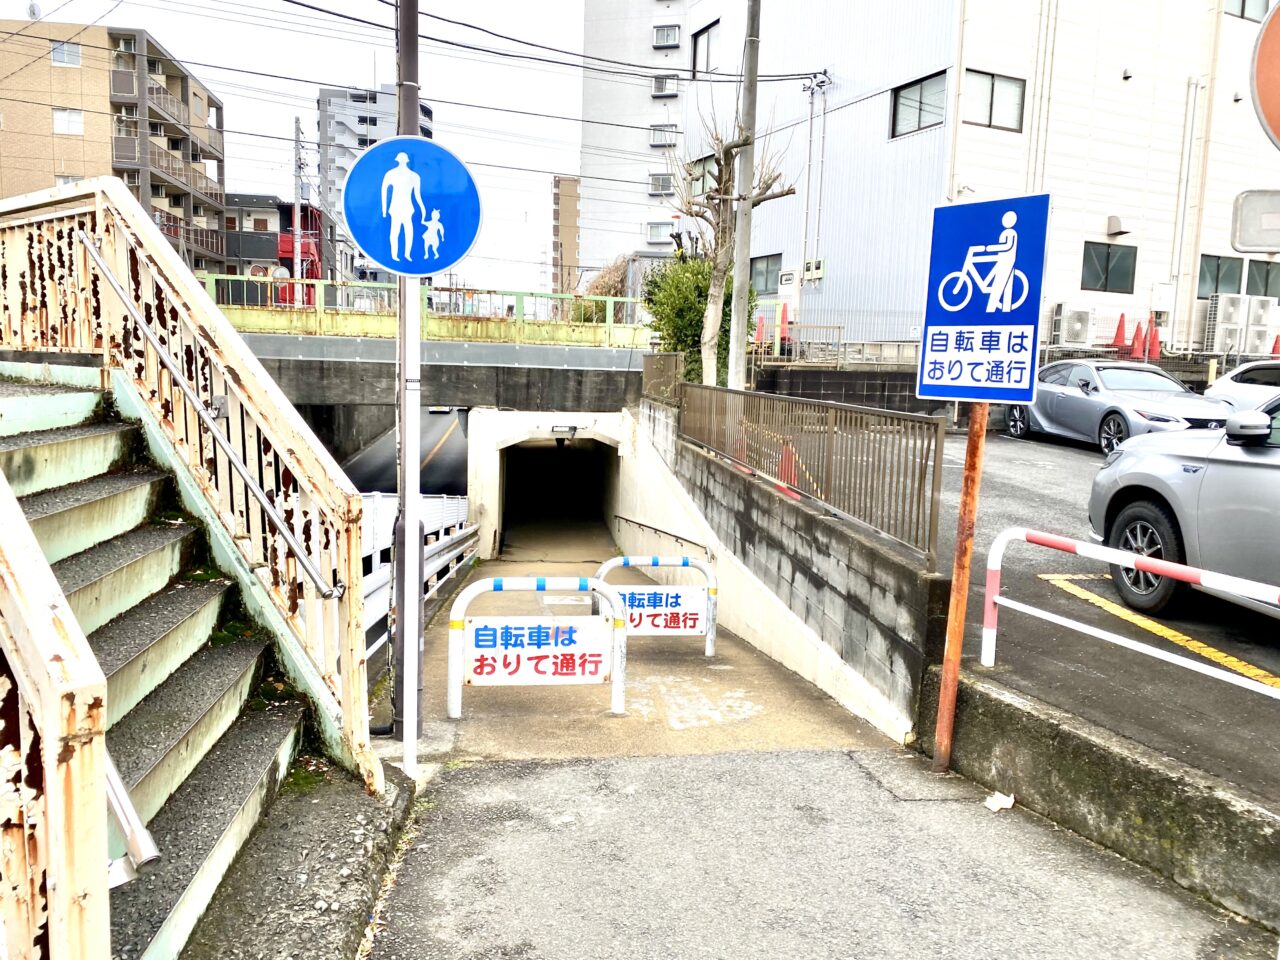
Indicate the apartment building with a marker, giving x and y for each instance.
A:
(566, 242)
(1136, 117)
(85, 101)
(629, 154)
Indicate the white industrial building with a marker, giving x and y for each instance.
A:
(1136, 116)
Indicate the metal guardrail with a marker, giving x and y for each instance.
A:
(661, 377)
(876, 467)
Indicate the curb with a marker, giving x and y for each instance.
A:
(1201, 832)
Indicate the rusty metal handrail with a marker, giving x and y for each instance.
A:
(877, 467)
(268, 508)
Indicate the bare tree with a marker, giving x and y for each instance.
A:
(714, 208)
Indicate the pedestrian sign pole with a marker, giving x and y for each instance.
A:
(980, 343)
(412, 208)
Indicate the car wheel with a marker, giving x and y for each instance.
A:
(1019, 422)
(1147, 529)
(1113, 432)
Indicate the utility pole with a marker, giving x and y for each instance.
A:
(409, 530)
(746, 183)
(297, 205)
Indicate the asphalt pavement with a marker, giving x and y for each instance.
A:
(1220, 729)
(442, 452)
(735, 812)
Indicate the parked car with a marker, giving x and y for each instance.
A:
(1208, 499)
(1248, 386)
(1106, 402)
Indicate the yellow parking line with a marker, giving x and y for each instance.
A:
(1075, 576)
(1164, 633)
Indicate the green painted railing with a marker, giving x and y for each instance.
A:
(329, 308)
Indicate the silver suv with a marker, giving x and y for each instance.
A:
(1209, 499)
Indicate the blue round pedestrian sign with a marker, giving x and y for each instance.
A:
(411, 206)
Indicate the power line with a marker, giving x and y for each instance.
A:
(430, 101)
(510, 54)
(575, 53)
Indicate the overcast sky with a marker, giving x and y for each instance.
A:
(513, 250)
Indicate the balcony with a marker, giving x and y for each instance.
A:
(179, 231)
(160, 97)
(187, 174)
(209, 138)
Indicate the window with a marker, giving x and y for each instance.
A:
(659, 231)
(666, 35)
(662, 135)
(367, 121)
(65, 54)
(1260, 376)
(665, 86)
(68, 122)
(1056, 375)
(63, 179)
(157, 191)
(200, 263)
(661, 184)
(1129, 378)
(706, 43)
(1264, 279)
(764, 273)
(991, 100)
(1275, 427)
(919, 105)
(1108, 267)
(1219, 275)
(231, 223)
(260, 224)
(197, 104)
(1248, 9)
(702, 176)
(360, 97)
(366, 141)
(425, 131)
(133, 178)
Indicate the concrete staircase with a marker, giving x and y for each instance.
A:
(198, 744)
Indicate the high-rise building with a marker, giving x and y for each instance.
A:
(629, 154)
(85, 101)
(351, 120)
(566, 256)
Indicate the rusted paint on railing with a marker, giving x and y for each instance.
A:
(52, 298)
(878, 467)
(53, 816)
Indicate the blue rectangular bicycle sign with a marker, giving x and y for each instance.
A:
(982, 318)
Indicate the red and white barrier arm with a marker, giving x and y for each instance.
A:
(1237, 586)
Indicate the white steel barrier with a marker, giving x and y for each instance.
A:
(1222, 583)
(691, 563)
(457, 628)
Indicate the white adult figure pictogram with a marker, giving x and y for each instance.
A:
(404, 187)
(1004, 256)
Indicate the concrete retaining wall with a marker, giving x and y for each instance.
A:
(1201, 832)
(842, 610)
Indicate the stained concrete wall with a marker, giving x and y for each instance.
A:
(490, 432)
(839, 608)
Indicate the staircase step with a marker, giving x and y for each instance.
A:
(43, 406)
(141, 648)
(160, 741)
(46, 459)
(104, 581)
(200, 831)
(74, 518)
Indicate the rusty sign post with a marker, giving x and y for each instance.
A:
(980, 343)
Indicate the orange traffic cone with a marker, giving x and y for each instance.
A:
(1119, 341)
(787, 465)
(1275, 348)
(1153, 343)
(1139, 346)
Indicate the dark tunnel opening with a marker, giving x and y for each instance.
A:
(554, 497)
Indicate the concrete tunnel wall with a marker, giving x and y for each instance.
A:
(857, 619)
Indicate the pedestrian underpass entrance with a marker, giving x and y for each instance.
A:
(553, 497)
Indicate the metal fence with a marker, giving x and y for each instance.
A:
(876, 467)
(661, 377)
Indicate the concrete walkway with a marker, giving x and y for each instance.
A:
(738, 813)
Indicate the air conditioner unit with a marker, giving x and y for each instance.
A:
(1071, 327)
(1226, 310)
(1258, 341)
(1262, 311)
(1222, 337)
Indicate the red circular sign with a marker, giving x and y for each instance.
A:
(1266, 76)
